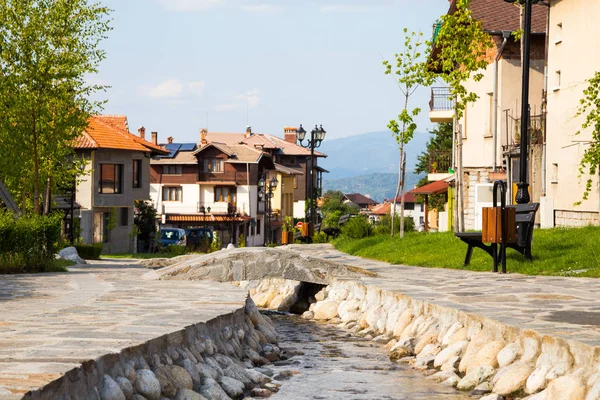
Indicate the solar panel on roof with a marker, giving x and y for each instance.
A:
(187, 147)
(172, 148)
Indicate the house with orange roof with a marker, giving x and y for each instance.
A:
(215, 184)
(117, 174)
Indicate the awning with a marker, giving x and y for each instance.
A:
(436, 187)
(288, 170)
(206, 218)
(321, 169)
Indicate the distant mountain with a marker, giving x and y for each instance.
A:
(367, 153)
(368, 163)
(378, 186)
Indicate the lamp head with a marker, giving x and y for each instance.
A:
(261, 183)
(300, 133)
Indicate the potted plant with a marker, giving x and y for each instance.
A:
(287, 236)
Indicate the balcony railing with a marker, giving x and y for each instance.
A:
(513, 130)
(240, 178)
(440, 161)
(219, 207)
(441, 99)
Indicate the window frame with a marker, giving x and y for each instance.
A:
(215, 161)
(232, 193)
(178, 190)
(172, 169)
(117, 183)
(136, 181)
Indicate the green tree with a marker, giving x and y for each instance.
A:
(333, 202)
(590, 108)
(438, 145)
(144, 217)
(411, 72)
(48, 48)
(111, 223)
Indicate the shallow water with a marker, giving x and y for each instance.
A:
(336, 365)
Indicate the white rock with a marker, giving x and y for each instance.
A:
(475, 377)
(110, 389)
(70, 253)
(325, 310)
(537, 379)
(513, 378)
(147, 385)
(455, 349)
(537, 396)
(569, 387)
(443, 375)
(488, 354)
(508, 354)
(492, 396)
(594, 392)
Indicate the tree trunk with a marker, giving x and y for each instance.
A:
(402, 198)
(397, 189)
(36, 169)
(47, 198)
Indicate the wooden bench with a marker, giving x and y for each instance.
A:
(525, 220)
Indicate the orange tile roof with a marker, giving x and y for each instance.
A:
(262, 140)
(381, 209)
(105, 132)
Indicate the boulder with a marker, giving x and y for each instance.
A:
(475, 377)
(456, 349)
(147, 385)
(325, 310)
(126, 386)
(513, 378)
(186, 394)
(508, 354)
(111, 390)
(212, 390)
(569, 387)
(231, 386)
(70, 253)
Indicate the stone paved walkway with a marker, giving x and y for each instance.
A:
(50, 323)
(557, 306)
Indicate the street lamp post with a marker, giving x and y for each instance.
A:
(522, 196)
(265, 192)
(204, 210)
(317, 135)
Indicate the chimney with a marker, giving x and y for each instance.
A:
(155, 138)
(170, 139)
(289, 134)
(248, 132)
(142, 133)
(203, 133)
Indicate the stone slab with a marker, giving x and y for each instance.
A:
(51, 323)
(551, 305)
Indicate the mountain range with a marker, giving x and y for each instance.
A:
(368, 163)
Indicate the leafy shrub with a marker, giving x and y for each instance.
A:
(242, 240)
(175, 250)
(384, 226)
(332, 219)
(357, 228)
(29, 242)
(319, 237)
(89, 251)
(216, 243)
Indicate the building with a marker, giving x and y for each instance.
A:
(412, 208)
(361, 201)
(571, 61)
(490, 126)
(116, 175)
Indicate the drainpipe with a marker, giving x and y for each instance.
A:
(545, 106)
(505, 36)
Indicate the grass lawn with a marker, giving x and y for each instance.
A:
(558, 251)
(140, 256)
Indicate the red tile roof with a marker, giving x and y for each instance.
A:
(105, 132)
(381, 209)
(408, 198)
(497, 15)
(262, 141)
(358, 198)
(436, 187)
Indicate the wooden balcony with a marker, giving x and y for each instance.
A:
(232, 177)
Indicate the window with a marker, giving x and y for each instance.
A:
(225, 193)
(171, 169)
(554, 177)
(489, 130)
(213, 165)
(137, 173)
(111, 178)
(558, 34)
(124, 220)
(105, 225)
(557, 80)
(258, 226)
(172, 194)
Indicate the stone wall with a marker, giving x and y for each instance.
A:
(575, 218)
(463, 350)
(214, 360)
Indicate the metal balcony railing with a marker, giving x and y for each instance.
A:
(440, 161)
(441, 99)
(218, 207)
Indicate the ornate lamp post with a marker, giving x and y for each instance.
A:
(317, 135)
(265, 192)
(204, 210)
(522, 196)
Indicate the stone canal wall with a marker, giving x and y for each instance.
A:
(459, 349)
(214, 360)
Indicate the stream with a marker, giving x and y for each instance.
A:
(326, 362)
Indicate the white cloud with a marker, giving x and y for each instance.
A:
(190, 5)
(167, 89)
(250, 99)
(197, 87)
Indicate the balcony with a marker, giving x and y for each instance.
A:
(512, 139)
(439, 165)
(441, 105)
(237, 178)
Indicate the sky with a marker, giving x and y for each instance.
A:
(176, 66)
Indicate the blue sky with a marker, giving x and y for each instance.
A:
(175, 66)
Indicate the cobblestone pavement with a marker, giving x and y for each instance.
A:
(50, 323)
(557, 306)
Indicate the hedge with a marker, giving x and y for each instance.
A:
(29, 242)
(89, 251)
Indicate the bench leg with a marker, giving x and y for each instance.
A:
(469, 254)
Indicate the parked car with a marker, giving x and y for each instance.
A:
(172, 236)
(196, 236)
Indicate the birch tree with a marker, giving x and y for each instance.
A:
(410, 69)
